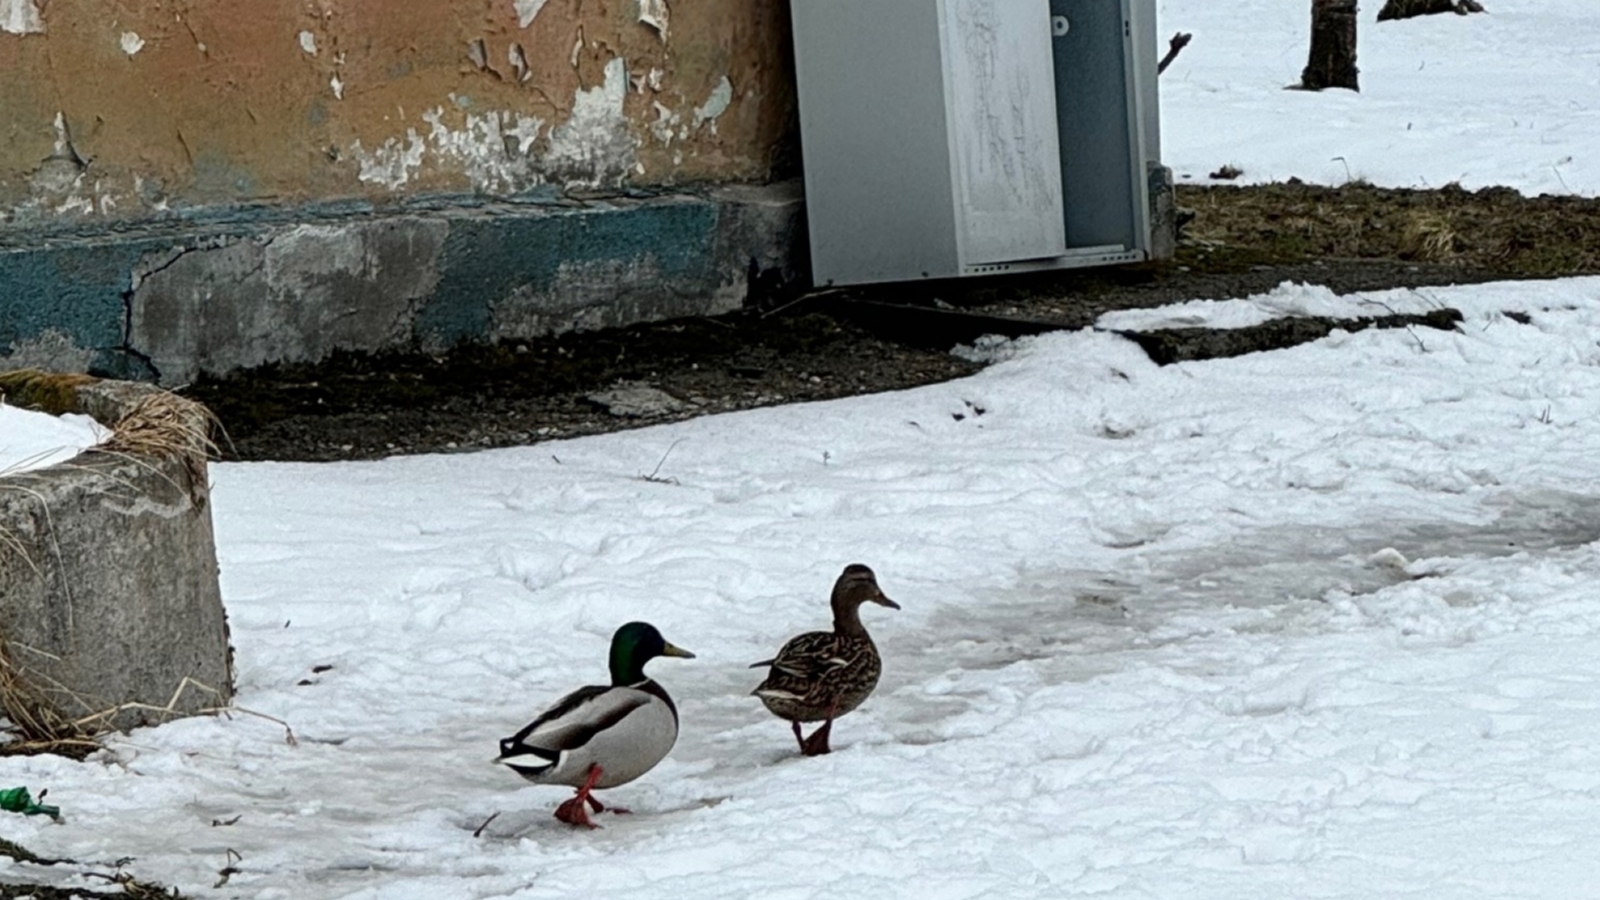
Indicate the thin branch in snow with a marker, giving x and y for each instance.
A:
(653, 477)
(478, 832)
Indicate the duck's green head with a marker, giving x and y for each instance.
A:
(635, 644)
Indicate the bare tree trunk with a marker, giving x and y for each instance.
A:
(1333, 46)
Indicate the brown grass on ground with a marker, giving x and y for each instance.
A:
(36, 726)
(1494, 229)
(48, 392)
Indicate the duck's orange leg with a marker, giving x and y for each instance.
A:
(572, 811)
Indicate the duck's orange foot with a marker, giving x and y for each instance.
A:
(573, 812)
(817, 744)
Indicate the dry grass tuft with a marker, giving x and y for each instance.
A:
(167, 425)
(36, 724)
(1429, 237)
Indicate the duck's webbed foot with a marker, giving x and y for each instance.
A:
(573, 810)
(817, 743)
(601, 807)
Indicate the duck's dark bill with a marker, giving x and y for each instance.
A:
(881, 600)
(670, 650)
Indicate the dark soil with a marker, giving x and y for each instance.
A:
(785, 347)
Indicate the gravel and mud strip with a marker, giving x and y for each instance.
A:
(787, 348)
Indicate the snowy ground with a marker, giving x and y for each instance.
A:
(33, 440)
(1322, 622)
(1319, 622)
(1502, 98)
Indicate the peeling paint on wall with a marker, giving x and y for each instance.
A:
(519, 62)
(594, 146)
(527, 11)
(654, 13)
(665, 123)
(392, 163)
(715, 105)
(20, 17)
(493, 149)
(215, 109)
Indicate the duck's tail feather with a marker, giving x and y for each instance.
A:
(529, 762)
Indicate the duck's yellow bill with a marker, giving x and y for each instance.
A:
(671, 650)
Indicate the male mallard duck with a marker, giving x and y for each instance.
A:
(601, 736)
(821, 675)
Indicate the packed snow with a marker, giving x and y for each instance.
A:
(1321, 622)
(34, 440)
(1504, 97)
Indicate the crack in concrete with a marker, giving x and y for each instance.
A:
(140, 274)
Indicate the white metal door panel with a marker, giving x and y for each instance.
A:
(1000, 79)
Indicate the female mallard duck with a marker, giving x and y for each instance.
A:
(821, 675)
(601, 736)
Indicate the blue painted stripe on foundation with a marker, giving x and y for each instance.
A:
(485, 258)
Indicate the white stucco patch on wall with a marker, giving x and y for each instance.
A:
(716, 104)
(496, 150)
(391, 163)
(20, 17)
(131, 43)
(527, 11)
(493, 150)
(490, 148)
(595, 146)
(655, 14)
(665, 123)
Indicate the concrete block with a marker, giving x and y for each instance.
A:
(108, 571)
(290, 294)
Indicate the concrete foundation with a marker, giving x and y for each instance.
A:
(171, 302)
(108, 571)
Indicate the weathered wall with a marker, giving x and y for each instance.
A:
(136, 108)
(169, 301)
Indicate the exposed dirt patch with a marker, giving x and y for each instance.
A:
(1495, 229)
(785, 348)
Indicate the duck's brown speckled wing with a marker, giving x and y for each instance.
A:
(820, 673)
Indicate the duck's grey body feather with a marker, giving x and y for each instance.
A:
(626, 730)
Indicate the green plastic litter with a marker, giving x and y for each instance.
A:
(18, 800)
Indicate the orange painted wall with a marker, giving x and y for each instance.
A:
(126, 108)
